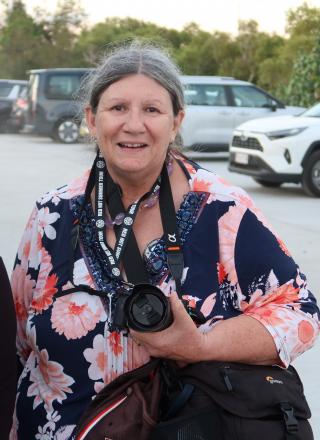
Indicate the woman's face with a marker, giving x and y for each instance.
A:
(134, 124)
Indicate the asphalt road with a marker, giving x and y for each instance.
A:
(30, 166)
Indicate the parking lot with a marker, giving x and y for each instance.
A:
(29, 166)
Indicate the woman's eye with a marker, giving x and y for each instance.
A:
(152, 110)
(118, 107)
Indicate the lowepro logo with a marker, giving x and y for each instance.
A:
(271, 380)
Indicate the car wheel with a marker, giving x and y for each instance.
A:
(66, 131)
(267, 183)
(311, 175)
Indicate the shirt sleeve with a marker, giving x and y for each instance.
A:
(276, 292)
(24, 278)
(270, 285)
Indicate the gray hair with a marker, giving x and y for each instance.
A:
(136, 58)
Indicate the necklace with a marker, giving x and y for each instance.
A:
(147, 203)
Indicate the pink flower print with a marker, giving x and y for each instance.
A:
(81, 274)
(42, 282)
(30, 244)
(22, 287)
(45, 219)
(76, 314)
(78, 185)
(223, 181)
(115, 342)
(49, 382)
(305, 332)
(228, 229)
(221, 272)
(283, 295)
(208, 304)
(97, 357)
(201, 185)
(42, 302)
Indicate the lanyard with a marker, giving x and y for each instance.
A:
(103, 180)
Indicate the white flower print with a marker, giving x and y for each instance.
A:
(97, 357)
(55, 196)
(45, 220)
(47, 432)
(81, 274)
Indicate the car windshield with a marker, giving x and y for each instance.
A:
(5, 89)
(313, 112)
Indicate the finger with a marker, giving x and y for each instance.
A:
(177, 307)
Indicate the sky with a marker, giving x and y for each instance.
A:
(222, 15)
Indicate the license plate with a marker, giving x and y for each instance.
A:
(241, 158)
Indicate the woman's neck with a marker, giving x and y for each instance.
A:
(134, 188)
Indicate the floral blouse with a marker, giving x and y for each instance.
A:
(234, 263)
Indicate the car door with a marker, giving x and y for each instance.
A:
(250, 103)
(208, 119)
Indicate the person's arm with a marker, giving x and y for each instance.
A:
(278, 316)
(240, 339)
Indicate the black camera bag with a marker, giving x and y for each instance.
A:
(202, 401)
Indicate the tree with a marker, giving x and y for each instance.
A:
(62, 32)
(22, 42)
(304, 86)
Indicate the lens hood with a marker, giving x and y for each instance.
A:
(148, 309)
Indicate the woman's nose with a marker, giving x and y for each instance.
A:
(134, 121)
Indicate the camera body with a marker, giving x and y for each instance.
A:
(145, 308)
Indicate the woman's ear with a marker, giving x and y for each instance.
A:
(90, 120)
(177, 123)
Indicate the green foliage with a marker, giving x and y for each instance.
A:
(285, 66)
(304, 86)
(21, 42)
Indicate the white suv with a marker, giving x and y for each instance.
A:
(216, 105)
(278, 150)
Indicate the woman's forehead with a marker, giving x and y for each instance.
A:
(136, 85)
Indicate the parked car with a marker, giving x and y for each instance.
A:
(278, 150)
(10, 91)
(216, 105)
(51, 108)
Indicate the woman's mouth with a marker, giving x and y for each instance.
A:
(131, 145)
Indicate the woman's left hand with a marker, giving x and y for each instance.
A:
(182, 341)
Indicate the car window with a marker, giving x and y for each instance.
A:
(247, 96)
(5, 89)
(62, 86)
(205, 94)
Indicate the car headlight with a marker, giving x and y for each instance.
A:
(272, 135)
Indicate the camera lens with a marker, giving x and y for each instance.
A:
(148, 309)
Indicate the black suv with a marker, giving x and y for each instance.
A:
(52, 109)
(10, 91)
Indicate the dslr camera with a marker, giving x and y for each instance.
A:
(145, 308)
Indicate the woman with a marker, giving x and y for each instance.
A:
(244, 297)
